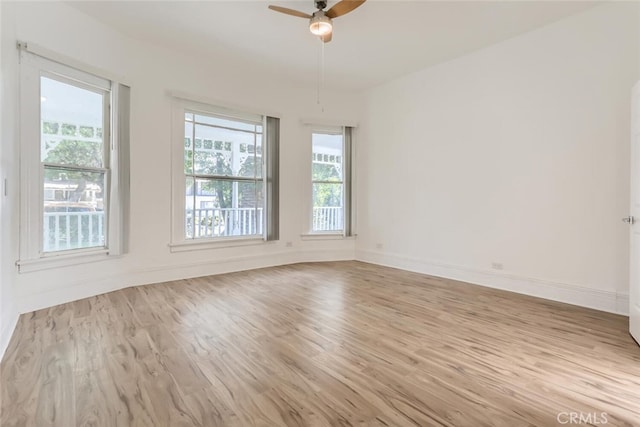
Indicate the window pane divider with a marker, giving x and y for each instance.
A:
(224, 177)
(223, 127)
(73, 168)
(328, 182)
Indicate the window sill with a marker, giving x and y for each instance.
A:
(324, 236)
(216, 244)
(62, 260)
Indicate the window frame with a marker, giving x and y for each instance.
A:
(106, 161)
(35, 63)
(329, 130)
(179, 242)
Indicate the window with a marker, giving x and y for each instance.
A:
(331, 180)
(224, 187)
(227, 183)
(75, 164)
(74, 150)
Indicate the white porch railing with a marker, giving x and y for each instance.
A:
(219, 222)
(72, 230)
(327, 218)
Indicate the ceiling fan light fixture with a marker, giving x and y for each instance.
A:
(320, 24)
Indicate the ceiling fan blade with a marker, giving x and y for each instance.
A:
(343, 7)
(327, 38)
(289, 11)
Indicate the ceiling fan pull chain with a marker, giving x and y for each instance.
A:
(322, 71)
(320, 74)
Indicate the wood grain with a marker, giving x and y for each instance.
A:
(325, 344)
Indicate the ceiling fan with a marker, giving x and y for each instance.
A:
(320, 22)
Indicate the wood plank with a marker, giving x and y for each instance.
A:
(56, 404)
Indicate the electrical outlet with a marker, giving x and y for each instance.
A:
(379, 246)
(289, 244)
(497, 265)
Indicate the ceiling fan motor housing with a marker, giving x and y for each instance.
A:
(321, 4)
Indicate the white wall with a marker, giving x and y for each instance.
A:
(152, 71)
(8, 170)
(517, 154)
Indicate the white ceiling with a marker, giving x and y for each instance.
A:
(377, 42)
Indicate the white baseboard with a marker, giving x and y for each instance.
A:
(164, 273)
(8, 326)
(608, 301)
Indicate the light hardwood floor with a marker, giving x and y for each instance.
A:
(344, 343)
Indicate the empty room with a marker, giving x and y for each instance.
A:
(319, 213)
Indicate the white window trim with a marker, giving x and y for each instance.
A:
(319, 122)
(70, 62)
(218, 243)
(325, 235)
(34, 62)
(179, 242)
(218, 106)
(64, 260)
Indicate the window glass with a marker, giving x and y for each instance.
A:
(327, 154)
(328, 183)
(72, 152)
(72, 120)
